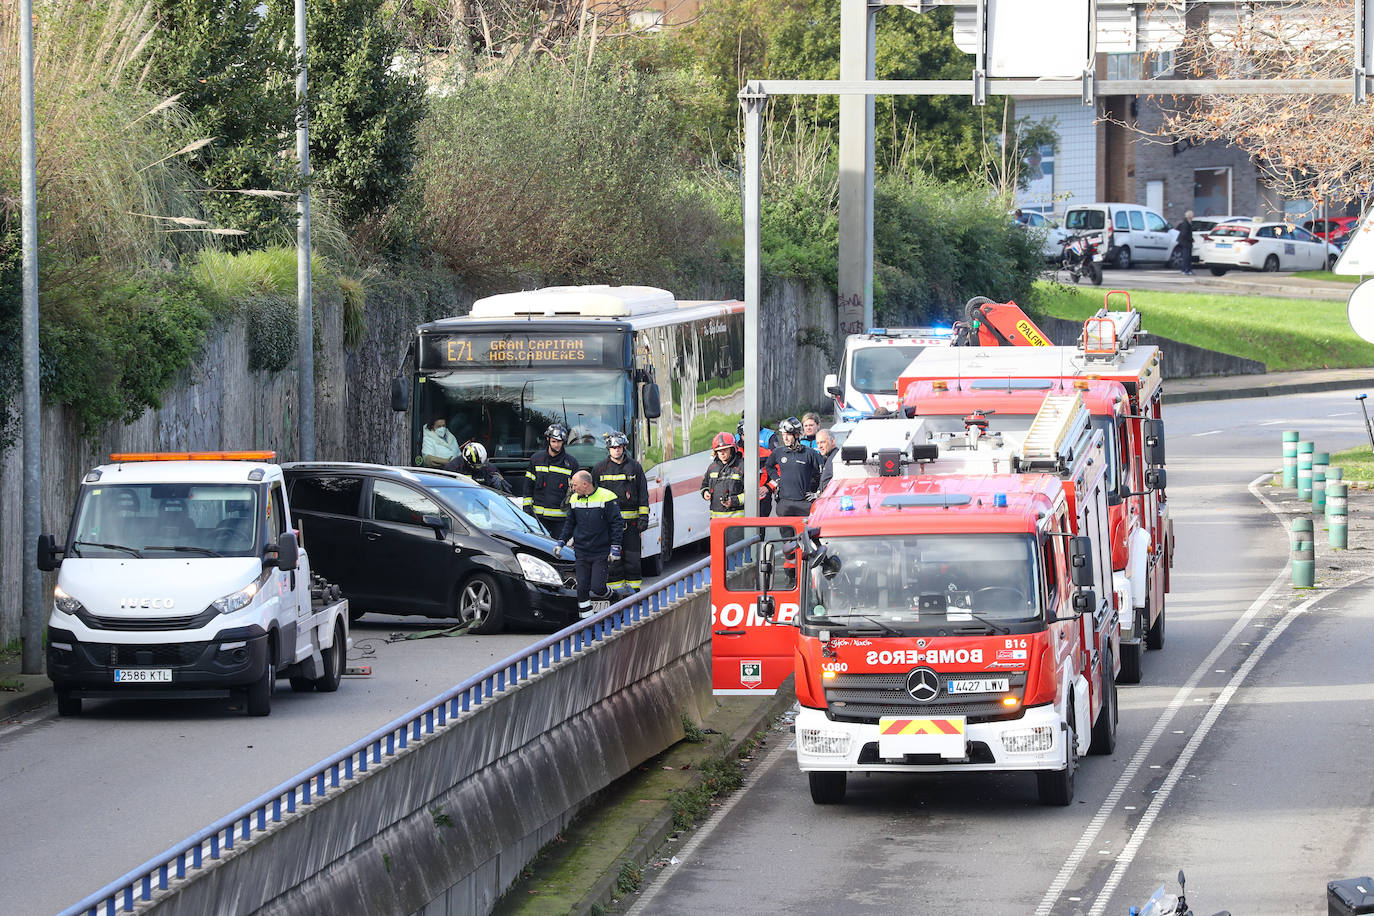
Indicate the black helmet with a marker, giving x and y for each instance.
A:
(617, 438)
(791, 425)
(556, 431)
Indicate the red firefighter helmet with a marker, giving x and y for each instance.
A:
(723, 440)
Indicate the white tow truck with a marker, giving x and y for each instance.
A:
(181, 574)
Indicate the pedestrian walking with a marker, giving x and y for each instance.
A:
(546, 480)
(595, 529)
(624, 477)
(1185, 242)
(723, 483)
(794, 471)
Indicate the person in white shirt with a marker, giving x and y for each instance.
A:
(439, 446)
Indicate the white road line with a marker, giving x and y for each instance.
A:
(641, 905)
(1348, 413)
(1109, 804)
(1272, 422)
(1210, 432)
(1142, 828)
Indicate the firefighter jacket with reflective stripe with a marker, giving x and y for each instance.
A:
(627, 481)
(797, 471)
(723, 484)
(593, 524)
(547, 485)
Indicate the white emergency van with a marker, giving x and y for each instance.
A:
(871, 363)
(181, 574)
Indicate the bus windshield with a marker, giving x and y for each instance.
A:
(507, 410)
(921, 583)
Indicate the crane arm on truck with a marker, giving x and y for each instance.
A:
(996, 324)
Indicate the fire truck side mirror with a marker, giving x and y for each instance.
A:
(1154, 441)
(400, 394)
(1080, 561)
(649, 398)
(1084, 601)
(768, 607)
(1157, 479)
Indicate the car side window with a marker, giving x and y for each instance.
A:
(1155, 223)
(392, 502)
(1302, 235)
(1267, 232)
(276, 506)
(333, 495)
(1122, 220)
(1137, 221)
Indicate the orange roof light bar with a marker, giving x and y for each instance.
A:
(193, 456)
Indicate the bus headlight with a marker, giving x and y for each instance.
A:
(537, 570)
(66, 603)
(239, 599)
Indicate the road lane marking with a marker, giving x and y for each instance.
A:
(1210, 432)
(1137, 760)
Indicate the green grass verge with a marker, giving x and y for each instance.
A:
(1327, 275)
(1284, 334)
(1357, 462)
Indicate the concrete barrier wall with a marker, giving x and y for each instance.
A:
(447, 825)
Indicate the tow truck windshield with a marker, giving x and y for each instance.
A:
(165, 519)
(924, 583)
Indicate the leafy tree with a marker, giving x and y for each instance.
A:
(232, 61)
(363, 112)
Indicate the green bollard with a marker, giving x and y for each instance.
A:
(1338, 529)
(1290, 458)
(1320, 462)
(1305, 470)
(1304, 562)
(1334, 475)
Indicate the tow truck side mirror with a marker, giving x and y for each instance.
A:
(832, 385)
(649, 398)
(1080, 561)
(1154, 441)
(1156, 479)
(49, 554)
(286, 555)
(400, 394)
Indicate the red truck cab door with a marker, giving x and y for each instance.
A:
(752, 557)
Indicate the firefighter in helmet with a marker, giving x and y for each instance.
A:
(765, 494)
(547, 479)
(723, 484)
(623, 476)
(472, 461)
(794, 471)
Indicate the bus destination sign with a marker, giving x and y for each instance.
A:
(473, 351)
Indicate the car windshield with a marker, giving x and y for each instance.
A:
(1084, 219)
(921, 583)
(874, 370)
(167, 519)
(508, 410)
(1231, 232)
(488, 510)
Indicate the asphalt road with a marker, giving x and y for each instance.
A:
(1242, 757)
(88, 799)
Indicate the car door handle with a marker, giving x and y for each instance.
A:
(373, 535)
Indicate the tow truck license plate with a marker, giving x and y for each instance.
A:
(979, 685)
(143, 675)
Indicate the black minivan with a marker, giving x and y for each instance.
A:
(421, 541)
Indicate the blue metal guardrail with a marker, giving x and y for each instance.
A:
(335, 772)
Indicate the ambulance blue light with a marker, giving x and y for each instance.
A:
(999, 500)
(877, 330)
(846, 504)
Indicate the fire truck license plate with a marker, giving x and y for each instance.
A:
(143, 675)
(942, 735)
(979, 685)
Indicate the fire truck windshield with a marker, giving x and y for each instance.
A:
(922, 583)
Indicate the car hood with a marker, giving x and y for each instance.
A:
(172, 587)
(533, 543)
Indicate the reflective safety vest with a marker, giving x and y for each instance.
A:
(627, 481)
(723, 484)
(593, 523)
(547, 485)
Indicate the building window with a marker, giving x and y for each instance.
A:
(1212, 191)
(1140, 65)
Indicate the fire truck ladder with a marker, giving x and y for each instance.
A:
(1048, 440)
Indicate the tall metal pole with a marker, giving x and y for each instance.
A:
(858, 36)
(31, 619)
(305, 322)
(752, 101)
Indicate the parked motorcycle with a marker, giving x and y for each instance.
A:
(1082, 256)
(1163, 903)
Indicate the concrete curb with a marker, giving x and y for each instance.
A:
(645, 845)
(14, 704)
(1258, 391)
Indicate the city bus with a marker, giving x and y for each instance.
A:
(668, 373)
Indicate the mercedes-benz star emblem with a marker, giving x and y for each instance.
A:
(923, 685)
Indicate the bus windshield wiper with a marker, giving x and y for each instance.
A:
(185, 548)
(129, 550)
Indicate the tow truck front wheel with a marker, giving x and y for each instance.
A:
(68, 705)
(828, 788)
(259, 699)
(1056, 786)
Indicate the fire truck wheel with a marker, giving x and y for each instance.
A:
(1130, 663)
(1104, 729)
(828, 788)
(1154, 637)
(1056, 786)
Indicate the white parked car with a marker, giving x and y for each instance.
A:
(1264, 246)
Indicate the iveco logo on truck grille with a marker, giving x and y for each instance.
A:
(923, 685)
(129, 604)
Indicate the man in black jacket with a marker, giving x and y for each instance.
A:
(595, 528)
(1185, 242)
(546, 480)
(472, 461)
(794, 471)
(624, 477)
